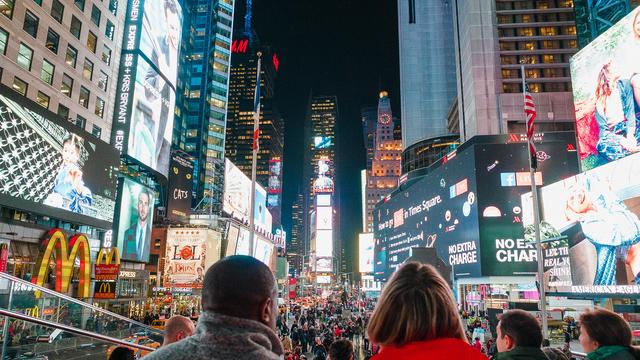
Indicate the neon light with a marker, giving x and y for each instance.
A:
(276, 62)
(239, 46)
(56, 241)
(106, 256)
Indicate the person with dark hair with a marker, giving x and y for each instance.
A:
(136, 246)
(519, 337)
(606, 335)
(417, 318)
(238, 321)
(122, 353)
(341, 350)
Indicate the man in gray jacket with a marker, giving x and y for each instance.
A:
(239, 302)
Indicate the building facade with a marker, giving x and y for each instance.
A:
(240, 122)
(493, 38)
(295, 246)
(382, 176)
(63, 55)
(425, 31)
(202, 95)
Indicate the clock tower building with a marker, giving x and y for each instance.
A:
(383, 176)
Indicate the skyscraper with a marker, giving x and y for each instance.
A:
(295, 249)
(238, 144)
(382, 176)
(319, 170)
(369, 121)
(202, 95)
(427, 68)
(492, 39)
(65, 59)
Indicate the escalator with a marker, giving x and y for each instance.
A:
(39, 323)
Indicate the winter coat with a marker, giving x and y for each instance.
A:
(446, 348)
(521, 353)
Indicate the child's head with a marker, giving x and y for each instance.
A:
(71, 149)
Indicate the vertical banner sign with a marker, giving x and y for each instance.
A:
(185, 257)
(126, 76)
(4, 254)
(180, 187)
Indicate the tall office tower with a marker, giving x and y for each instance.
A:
(595, 17)
(202, 95)
(319, 170)
(493, 37)
(369, 121)
(383, 175)
(238, 143)
(64, 57)
(295, 249)
(427, 68)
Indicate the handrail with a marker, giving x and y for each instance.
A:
(73, 330)
(79, 302)
(578, 355)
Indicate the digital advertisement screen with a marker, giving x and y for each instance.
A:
(323, 200)
(324, 243)
(243, 247)
(439, 210)
(185, 257)
(591, 230)
(180, 188)
(323, 279)
(324, 264)
(161, 34)
(324, 182)
(236, 199)
(152, 115)
(134, 221)
(263, 251)
(232, 240)
(324, 218)
(606, 90)
(365, 252)
(48, 166)
(275, 176)
(504, 170)
(322, 142)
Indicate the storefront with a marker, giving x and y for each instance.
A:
(168, 301)
(131, 294)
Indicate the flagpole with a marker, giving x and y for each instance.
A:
(254, 158)
(536, 216)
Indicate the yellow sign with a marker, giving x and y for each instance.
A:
(106, 256)
(56, 243)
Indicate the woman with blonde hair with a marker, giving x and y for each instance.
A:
(417, 318)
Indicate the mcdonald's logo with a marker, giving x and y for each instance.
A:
(105, 287)
(106, 256)
(55, 242)
(33, 312)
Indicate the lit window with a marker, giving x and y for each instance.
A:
(6, 8)
(106, 54)
(20, 86)
(25, 56)
(72, 56)
(103, 80)
(67, 85)
(4, 38)
(99, 110)
(53, 39)
(92, 42)
(43, 99)
(87, 70)
(46, 74)
(84, 97)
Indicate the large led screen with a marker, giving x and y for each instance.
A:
(236, 199)
(504, 173)
(324, 218)
(152, 115)
(180, 188)
(591, 230)
(439, 210)
(263, 251)
(161, 32)
(606, 90)
(324, 243)
(365, 252)
(185, 257)
(134, 221)
(50, 167)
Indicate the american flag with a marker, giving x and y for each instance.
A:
(530, 113)
(256, 112)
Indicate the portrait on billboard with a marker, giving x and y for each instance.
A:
(595, 216)
(151, 119)
(606, 91)
(135, 221)
(161, 33)
(45, 161)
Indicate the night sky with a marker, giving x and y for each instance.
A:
(333, 47)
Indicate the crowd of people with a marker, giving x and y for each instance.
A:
(416, 317)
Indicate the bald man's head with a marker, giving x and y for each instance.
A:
(177, 328)
(241, 286)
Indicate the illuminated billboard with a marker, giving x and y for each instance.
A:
(324, 218)
(232, 239)
(474, 225)
(365, 252)
(263, 251)
(134, 221)
(322, 142)
(323, 200)
(143, 121)
(324, 243)
(591, 230)
(324, 264)
(323, 183)
(185, 257)
(236, 199)
(606, 91)
(243, 246)
(48, 166)
(180, 188)
(323, 279)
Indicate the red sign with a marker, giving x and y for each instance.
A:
(239, 46)
(276, 62)
(107, 272)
